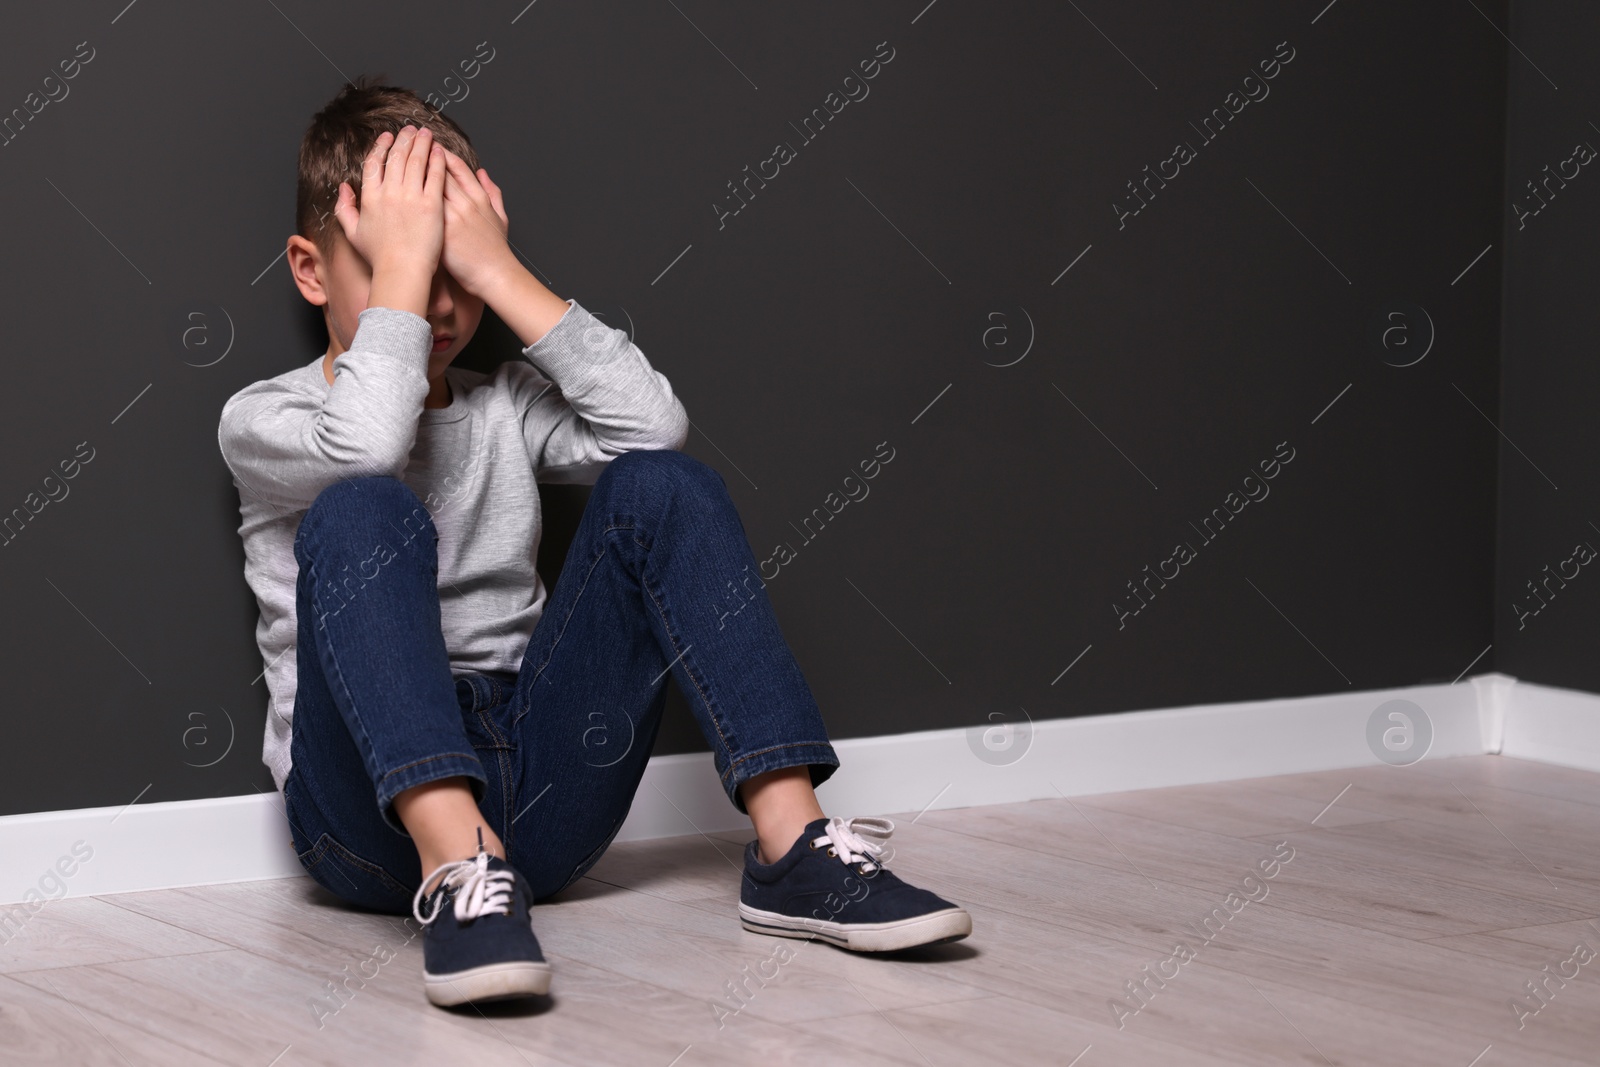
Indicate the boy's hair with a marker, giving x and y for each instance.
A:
(341, 135)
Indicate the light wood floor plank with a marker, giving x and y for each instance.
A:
(1433, 795)
(702, 950)
(1412, 912)
(1147, 848)
(1450, 987)
(1519, 776)
(1004, 1031)
(1234, 809)
(1416, 896)
(82, 930)
(241, 1009)
(39, 1028)
(1540, 855)
(289, 922)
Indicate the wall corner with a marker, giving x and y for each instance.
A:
(1494, 692)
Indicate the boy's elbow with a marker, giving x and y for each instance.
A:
(374, 460)
(231, 430)
(677, 428)
(360, 451)
(669, 434)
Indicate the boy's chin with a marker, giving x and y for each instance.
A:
(438, 361)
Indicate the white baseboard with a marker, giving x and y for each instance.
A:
(229, 839)
(1553, 725)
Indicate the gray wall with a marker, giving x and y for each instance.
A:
(952, 266)
(1547, 598)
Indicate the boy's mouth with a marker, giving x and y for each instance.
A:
(442, 342)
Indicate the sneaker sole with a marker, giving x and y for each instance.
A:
(492, 981)
(935, 928)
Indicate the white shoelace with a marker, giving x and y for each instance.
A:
(478, 890)
(857, 840)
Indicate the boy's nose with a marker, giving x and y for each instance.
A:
(440, 302)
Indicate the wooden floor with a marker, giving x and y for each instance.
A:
(1415, 905)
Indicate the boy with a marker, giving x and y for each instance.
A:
(441, 733)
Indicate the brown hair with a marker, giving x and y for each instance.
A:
(341, 134)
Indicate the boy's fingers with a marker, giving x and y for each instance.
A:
(434, 185)
(497, 199)
(455, 163)
(487, 183)
(418, 158)
(452, 169)
(399, 154)
(344, 209)
(456, 196)
(394, 161)
(461, 173)
(372, 166)
(462, 184)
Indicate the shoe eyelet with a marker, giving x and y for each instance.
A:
(813, 846)
(831, 852)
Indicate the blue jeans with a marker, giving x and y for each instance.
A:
(555, 751)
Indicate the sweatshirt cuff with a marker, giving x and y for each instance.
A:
(403, 334)
(578, 340)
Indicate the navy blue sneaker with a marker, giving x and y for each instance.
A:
(832, 885)
(477, 941)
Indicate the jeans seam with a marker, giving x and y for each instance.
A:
(730, 778)
(507, 787)
(683, 657)
(317, 852)
(428, 759)
(502, 755)
(502, 750)
(588, 862)
(315, 849)
(775, 748)
(565, 622)
(500, 740)
(338, 678)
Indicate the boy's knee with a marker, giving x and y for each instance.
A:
(379, 502)
(669, 469)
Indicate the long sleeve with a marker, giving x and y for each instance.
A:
(286, 446)
(590, 395)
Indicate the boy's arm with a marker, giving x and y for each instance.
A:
(602, 398)
(589, 396)
(286, 446)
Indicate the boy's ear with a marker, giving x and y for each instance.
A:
(309, 268)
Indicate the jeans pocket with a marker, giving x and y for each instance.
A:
(335, 868)
(299, 840)
(355, 879)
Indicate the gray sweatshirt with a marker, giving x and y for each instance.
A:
(584, 396)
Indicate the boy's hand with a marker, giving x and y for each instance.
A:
(475, 250)
(399, 227)
(478, 256)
